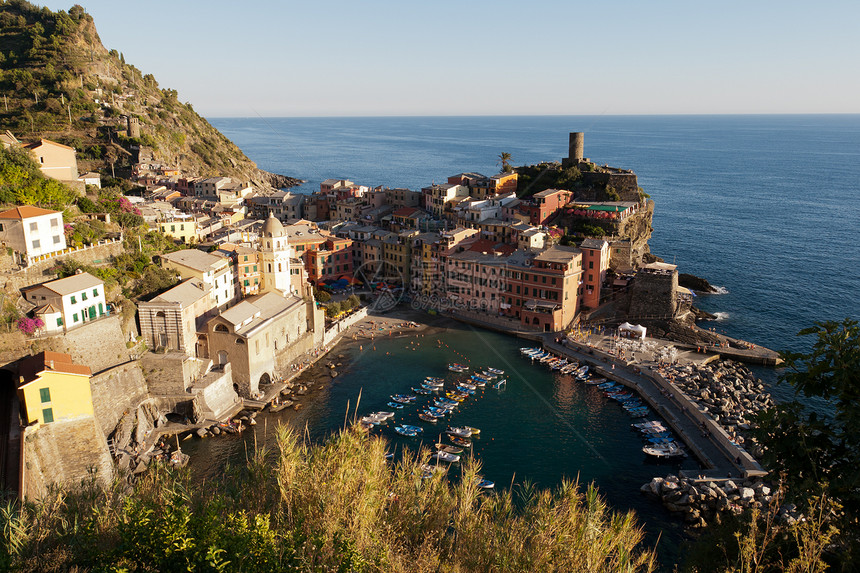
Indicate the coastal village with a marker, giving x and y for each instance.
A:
(266, 281)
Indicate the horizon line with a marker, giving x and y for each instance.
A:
(392, 116)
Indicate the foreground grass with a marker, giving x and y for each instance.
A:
(338, 506)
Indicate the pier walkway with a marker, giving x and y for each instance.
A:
(722, 458)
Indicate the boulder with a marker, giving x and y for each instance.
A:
(656, 485)
(202, 433)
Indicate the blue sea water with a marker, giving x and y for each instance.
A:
(766, 207)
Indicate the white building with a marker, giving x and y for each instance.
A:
(214, 270)
(32, 231)
(69, 302)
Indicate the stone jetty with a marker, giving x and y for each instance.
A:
(727, 391)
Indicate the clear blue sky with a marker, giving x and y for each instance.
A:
(446, 57)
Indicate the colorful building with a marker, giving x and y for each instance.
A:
(52, 388)
(544, 205)
(595, 263)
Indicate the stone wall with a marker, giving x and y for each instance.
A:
(343, 324)
(654, 295)
(286, 357)
(99, 344)
(171, 373)
(116, 391)
(41, 271)
(64, 453)
(625, 184)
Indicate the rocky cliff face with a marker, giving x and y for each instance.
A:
(63, 84)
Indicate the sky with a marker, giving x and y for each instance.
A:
(542, 57)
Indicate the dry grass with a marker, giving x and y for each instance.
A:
(337, 506)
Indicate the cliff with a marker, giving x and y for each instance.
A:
(61, 83)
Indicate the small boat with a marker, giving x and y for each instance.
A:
(445, 402)
(649, 425)
(445, 457)
(457, 397)
(582, 371)
(665, 451)
(427, 417)
(403, 399)
(462, 442)
(434, 380)
(384, 415)
(500, 383)
(389, 456)
(479, 381)
(488, 375)
(464, 390)
(418, 429)
(423, 391)
(475, 431)
(484, 483)
(467, 385)
(432, 387)
(460, 432)
(395, 405)
(449, 449)
(434, 414)
(457, 367)
(427, 470)
(437, 410)
(495, 371)
(404, 431)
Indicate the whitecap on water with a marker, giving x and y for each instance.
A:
(721, 315)
(719, 290)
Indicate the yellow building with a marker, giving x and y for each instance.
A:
(53, 389)
(184, 229)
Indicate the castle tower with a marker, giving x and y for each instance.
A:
(133, 126)
(275, 255)
(576, 148)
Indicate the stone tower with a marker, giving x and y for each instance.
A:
(576, 148)
(133, 126)
(275, 255)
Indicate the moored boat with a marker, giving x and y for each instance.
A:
(448, 448)
(445, 457)
(460, 432)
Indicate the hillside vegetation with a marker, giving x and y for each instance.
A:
(337, 506)
(61, 83)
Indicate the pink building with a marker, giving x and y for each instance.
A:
(595, 262)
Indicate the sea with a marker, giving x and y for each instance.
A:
(765, 207)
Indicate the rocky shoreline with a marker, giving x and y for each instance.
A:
(703, 502)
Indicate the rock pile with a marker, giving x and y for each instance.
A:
(702, 503)
(727, 391)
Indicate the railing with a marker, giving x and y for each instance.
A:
(70, 250)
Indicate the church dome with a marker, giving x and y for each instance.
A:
(273, 228)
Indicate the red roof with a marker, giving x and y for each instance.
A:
(488, 246)
(32, 366)
(25, 212)
(405, 212)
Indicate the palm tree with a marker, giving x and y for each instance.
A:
(505, 160)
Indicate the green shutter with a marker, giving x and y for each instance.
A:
(48, 415)
(45, 394)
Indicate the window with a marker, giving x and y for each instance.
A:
(60, 321)
(74, 299)
(45, 395)
(95, 292)
(84, 295)
(34, 226)
(37, 243)
(56, 239)
(48, 415)
(246, 260)
(590, 264)
(75, 317)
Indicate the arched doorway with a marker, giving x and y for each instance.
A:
(265, 379)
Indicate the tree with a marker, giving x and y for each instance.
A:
(505, 160)
(819, 454)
